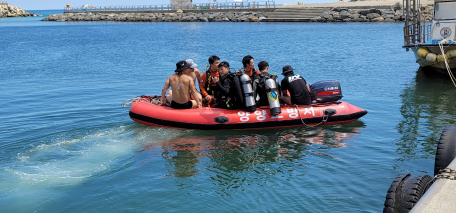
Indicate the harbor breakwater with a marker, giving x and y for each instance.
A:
(228, 16)
(13, 11)
(394, 14)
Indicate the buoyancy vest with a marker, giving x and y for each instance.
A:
(261, 89)
(236, 91)
(231, 100)
(207, 87)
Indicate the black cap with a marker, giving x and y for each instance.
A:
(287, 69)
(181, 66)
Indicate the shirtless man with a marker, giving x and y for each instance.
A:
(181, 83)
(194, 74)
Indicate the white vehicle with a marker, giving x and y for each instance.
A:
(433, 43)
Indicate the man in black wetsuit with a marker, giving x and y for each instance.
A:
(297, 86)
(259, 84)
(226, 91)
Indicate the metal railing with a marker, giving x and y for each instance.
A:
(201, 6)
(265, 4)
(417, 34)
(3, 3)
(416, 30)
(119, 8)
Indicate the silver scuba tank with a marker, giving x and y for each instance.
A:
(273, 96)
(247, 91)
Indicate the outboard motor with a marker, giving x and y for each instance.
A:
(326, 91)
(273, 97)
(248, 93)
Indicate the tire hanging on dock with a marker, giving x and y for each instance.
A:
(405, 191)
(446, 149)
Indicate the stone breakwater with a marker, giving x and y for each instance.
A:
(13, 11)
(395, 14)
(162, 17)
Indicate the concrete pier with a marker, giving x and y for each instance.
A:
(359, 11)
(441, 196)
(356, 4)
(295, 14)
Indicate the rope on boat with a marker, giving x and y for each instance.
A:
(325, 118)
(155, 100)
(453, 79)
(130, 101)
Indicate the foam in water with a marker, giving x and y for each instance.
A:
(70, 161)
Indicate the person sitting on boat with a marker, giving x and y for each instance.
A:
(206, 84)
(181, 83)
(249, 67)
(297, 86)
(194, 74)
(259, 86)
(226, 91)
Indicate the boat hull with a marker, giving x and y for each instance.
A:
(438, 66)
(218, 119)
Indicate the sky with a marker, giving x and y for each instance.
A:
(60, 4)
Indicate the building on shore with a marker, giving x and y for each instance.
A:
(181, 2)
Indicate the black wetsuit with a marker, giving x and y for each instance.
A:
(259, 87)
(297, 87)
(226, 91)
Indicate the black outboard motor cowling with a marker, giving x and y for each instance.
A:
(326, 91)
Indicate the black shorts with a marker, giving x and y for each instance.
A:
(176, 105)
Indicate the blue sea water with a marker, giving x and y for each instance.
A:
(66, 144)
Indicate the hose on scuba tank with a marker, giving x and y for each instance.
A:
(205, 68)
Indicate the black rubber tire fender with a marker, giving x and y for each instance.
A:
(394, 194)
(413, 189)
(405, 191)
(446, 149)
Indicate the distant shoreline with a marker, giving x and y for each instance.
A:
(389, 13)
(359, 11)
(367, 3)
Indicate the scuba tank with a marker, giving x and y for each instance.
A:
(273, 97)
(248, 93)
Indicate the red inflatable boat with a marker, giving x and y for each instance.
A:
(145, 112)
